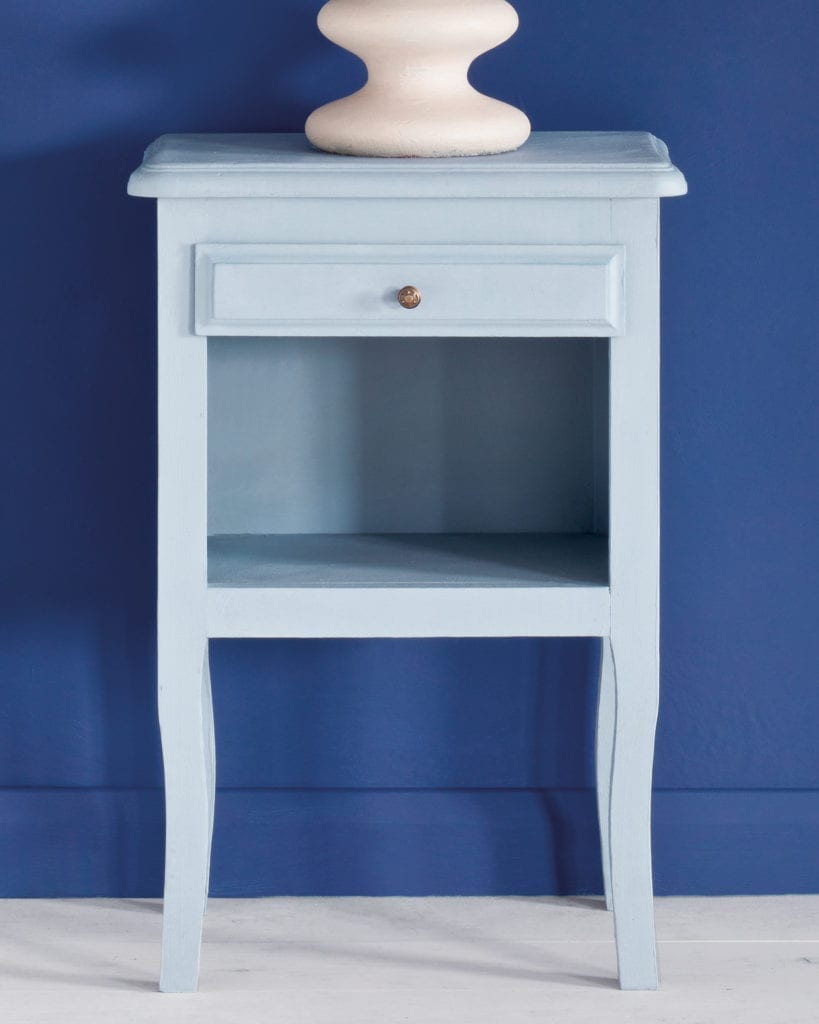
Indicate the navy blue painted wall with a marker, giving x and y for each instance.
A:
(407, 766)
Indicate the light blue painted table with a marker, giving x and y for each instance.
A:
(340, 459)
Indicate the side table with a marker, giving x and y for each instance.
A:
(449, 429)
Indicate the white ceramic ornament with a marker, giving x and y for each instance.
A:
(418, 100)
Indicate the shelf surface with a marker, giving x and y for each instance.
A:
(407, 585)
(407, 560)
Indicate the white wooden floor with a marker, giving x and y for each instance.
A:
(459, 961)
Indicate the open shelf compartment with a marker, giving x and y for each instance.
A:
(410, 487)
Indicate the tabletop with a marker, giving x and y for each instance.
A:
(550, 165)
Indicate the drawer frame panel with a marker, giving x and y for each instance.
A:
(481, 290)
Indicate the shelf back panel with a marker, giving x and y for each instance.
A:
(349, 435)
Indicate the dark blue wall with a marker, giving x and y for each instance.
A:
(385, 767)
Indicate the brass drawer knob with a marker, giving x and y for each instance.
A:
(409, 297)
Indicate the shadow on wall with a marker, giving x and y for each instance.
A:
(85, 91)
(80, 758)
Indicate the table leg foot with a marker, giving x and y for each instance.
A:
(186, 719)
(604, 749)
(636, 691)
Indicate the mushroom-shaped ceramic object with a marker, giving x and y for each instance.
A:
(417, 100)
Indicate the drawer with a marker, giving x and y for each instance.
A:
(465, 290)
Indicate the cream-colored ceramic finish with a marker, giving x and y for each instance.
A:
(418, 100)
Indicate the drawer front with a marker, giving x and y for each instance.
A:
(465, 290)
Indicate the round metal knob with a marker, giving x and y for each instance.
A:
(409, 297)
